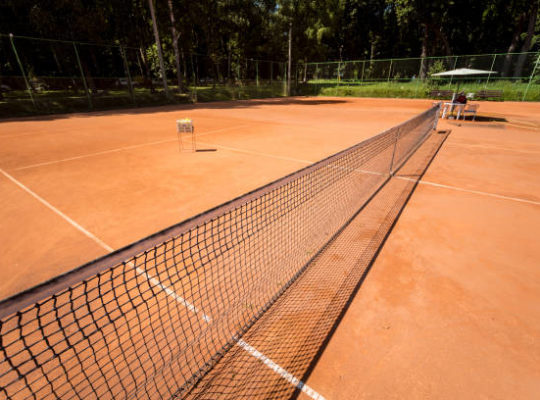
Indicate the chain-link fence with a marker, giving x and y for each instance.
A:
(48, 76)
(516, 76)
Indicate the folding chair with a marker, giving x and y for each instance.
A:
(470, 109)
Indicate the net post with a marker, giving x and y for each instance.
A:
(83, 77)
(128, 74)
(437, 115)
(531, 76)
(28, 87)
(390, 171)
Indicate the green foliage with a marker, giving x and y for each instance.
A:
(436, 67)
(259, 28)
(512, 91)
(217, 39)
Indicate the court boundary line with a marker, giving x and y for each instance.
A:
(88, 155)
(472, 191)
(478, 192)
(494, 147)
(119, 149)
(257, 153)
(103, 245)
(245, 346)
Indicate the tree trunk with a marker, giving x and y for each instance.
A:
(148, 73)
(372, 55)
(513, 45)
(175, 37)
(528, 39)
(229, 65)
(184, 63)
(290, 61)
(444, 40)
(158, 45)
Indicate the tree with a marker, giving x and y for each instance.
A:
(175, 36)
(158, 45)
(533, 16)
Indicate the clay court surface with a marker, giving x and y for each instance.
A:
(449, 309)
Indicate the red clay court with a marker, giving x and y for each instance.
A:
(450, 307)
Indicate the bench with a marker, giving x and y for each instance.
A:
(441, 94)
(489, 94)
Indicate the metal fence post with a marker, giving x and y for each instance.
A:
(416, 87)
(338, 77)
(83, 77)
(128, 74)
(455, 65)
(491, 69)
(532, 76)
(284, 79)
(257, 72)
(390, 70)
(421, 68)
(28, 87)
(296, 80)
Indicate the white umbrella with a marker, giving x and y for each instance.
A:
(464, 72)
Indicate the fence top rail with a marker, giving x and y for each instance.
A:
(120, 45)
(67, 41)
(421, 58)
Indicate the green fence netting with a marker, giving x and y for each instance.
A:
(40, 76)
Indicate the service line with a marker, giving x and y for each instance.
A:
(423, 182)
(123, 148)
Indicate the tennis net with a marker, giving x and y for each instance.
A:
(152, 319)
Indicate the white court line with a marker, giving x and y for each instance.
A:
(378, 173)
(272, 365)
(280, 371)
(173, 294)
(104, 245)
(94, 154)
(493, 147)
(118, 149)
(257, 153)
(497, 196)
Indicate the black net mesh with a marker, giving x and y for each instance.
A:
(154, 319)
